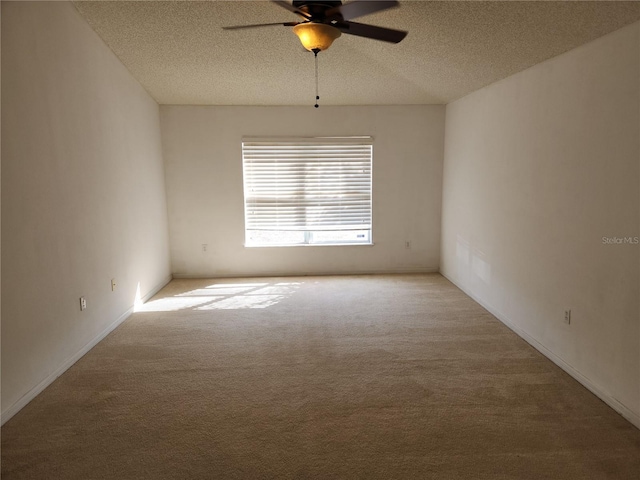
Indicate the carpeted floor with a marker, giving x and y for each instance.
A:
(364, 377)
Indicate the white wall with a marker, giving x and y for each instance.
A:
(538, 168)
(83, 196)
(203, 164)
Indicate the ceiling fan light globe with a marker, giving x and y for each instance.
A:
(316, 36)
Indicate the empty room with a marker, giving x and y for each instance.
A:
(320, 239)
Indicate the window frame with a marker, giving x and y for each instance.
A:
(354, 182)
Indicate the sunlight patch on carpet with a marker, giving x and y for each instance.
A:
(224, 296)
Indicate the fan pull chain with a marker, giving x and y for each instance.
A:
(315, 51)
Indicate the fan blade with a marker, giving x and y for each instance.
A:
(291, 8)
(357, 9)
(257, 25)
(370, 31)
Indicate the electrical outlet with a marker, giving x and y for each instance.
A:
(83, 304)
(567, 317)
(113, 284)
(204, 247)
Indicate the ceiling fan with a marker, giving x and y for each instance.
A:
(322, 21)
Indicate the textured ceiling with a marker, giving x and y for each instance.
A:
(180, 54)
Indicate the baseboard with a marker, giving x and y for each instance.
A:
(35, 391)
(307, 274)
(593, 387)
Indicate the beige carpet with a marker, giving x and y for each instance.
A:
(372, 377)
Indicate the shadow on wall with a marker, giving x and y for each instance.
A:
(221, 296)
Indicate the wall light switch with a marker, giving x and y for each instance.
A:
(83, 304)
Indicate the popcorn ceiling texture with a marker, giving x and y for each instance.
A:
(180, 54)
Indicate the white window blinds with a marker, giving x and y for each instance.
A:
(307, 184)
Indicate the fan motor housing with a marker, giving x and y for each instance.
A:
(316, 8)
(327, 3)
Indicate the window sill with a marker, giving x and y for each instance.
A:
(312, 245)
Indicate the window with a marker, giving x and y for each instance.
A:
(307, 191)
